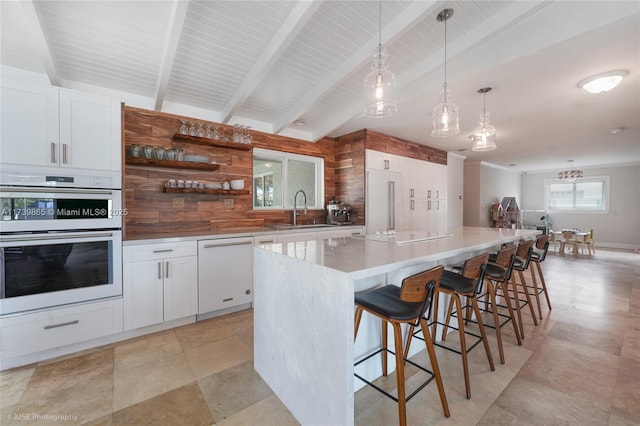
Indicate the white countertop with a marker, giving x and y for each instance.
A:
(362, 257)
(251, 232)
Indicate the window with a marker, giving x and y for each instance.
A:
(277, 176)
(584, 195)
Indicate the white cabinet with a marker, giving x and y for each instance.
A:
(297, 236)
(160, 283)
(55, 127)
(265, 239)
(376, 160)
(26, 334)
(340, 233)
(225, 273)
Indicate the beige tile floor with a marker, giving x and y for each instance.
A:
(580, 366)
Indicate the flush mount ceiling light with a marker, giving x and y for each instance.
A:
(445, 114)
(570, 175)
(484, 136)
(300, 122)
(602, 83)
(380, 83)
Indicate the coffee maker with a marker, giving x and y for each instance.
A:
(338, 213)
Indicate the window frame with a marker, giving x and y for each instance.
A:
(318, 202)
(605, 180)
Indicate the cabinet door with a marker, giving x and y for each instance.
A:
(29, 116)
(90, 131)
(376, 160)
(300, 236)
(142, 293)
(180, 287)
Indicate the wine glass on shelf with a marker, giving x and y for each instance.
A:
(183, 127)
(192, 129)
(200, 132)
(209, 132)
(247, 136)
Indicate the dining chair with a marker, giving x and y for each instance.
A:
(567, 239)
(553, 241)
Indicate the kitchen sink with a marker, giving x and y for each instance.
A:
(289, 226)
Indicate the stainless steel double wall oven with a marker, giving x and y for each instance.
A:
(60, 239)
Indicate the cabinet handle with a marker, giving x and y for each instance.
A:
(159, 270)
(64, 153)
(437, 193)
(386, 164)
(411, 192)
(227, 244)
(227, 299)
(428, 193)
(166, 269)
(429, 205)
(265, 241)
(163, 251)
(62, 324)
(53, 152)
(438, 205)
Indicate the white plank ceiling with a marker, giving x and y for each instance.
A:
(268, 63)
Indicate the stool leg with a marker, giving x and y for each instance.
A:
(535, 289)
(483, 333)
(516, 299)
(449, 312)
(434, 365)
(407, 344)
(507, 300)
(544, 285)
(402, 402)
(358, 317)
(496, 320)
(526, 295)
(384, 346)
(463, 343)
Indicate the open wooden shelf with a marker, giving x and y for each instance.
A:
(206, 191)
(172, 164)
(212, 142)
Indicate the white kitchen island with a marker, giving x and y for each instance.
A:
(304, 307)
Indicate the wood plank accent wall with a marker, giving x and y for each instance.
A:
(153, 213)
(351, 168)
(385, 143)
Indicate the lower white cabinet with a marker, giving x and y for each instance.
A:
(160, 283)
(39, 331)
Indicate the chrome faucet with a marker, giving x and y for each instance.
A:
(295, 203)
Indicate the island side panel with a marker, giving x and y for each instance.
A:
(303, 337)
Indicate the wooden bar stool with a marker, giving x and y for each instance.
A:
(498, 276)
(465, 285)
(521, 264)
(538, 256)
(403, 305)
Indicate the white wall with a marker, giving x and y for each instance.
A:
(485, 184)
(620, 227)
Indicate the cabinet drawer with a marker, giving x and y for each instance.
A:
(31, 333)
(159, 251)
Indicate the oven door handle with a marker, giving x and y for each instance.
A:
(59, 190)
(55, 237)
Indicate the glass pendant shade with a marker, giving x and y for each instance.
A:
(484, 136)
(445, 117)
(380, 88)
(445, 114)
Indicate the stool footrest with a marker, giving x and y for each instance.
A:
(440, 345)
(429, 372)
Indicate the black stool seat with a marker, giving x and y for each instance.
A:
(386, 301)
(457, 282)
(536, 256)
(520, 263)
(495, 272)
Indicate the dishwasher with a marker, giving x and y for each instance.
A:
(225, 274)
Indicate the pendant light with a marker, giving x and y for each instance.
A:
(484, 136)
(445, 114)
(380, 83)
(570, 175)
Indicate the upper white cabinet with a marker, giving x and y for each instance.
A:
(54, 127)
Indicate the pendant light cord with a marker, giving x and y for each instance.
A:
(445, 55)
(380, 35)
